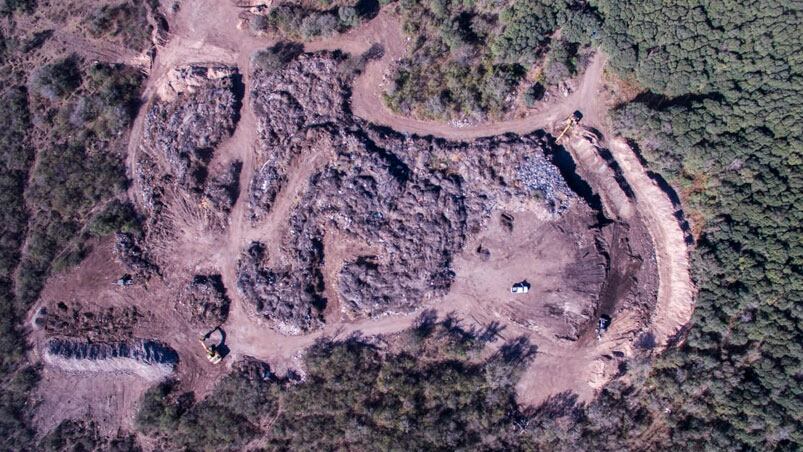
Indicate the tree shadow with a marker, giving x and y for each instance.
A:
(558, 405)
(424, 325)
(517, 350)
(367, 9)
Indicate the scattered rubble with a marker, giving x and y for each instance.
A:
(131, 254)
(149, 359)
(414, 199)
(109, 324)
(205, 299)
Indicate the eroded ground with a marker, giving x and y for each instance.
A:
(276, 213)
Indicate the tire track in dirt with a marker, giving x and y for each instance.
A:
(207, 32)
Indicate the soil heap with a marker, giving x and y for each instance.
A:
(150, 359)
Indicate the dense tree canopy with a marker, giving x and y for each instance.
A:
(725, 128)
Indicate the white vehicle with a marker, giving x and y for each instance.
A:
(520, 287)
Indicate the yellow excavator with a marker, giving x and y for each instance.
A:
(213, 353)
(571, 121)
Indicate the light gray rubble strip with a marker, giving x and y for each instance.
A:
(149, 359)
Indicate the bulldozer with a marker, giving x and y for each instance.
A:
(213, 351)
(570, 122)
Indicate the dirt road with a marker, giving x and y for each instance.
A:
(206, 31)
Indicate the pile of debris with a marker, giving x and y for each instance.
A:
(132, 256)
(290, 105)
(382, 189)
(149, 359)
(198, 107)
(223, 188)
(292, 299)
(544, 181)
(205, 299)
(109, 324)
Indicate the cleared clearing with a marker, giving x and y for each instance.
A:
(207, 32)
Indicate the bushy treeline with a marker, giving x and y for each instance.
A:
(82, 111)
(422, 392)
(722, 122)
(84, 435)
(437, 386)
(62, 121)
(468, 59)
(299, 20)
(16, 380)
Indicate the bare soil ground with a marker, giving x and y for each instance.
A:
(645, 244)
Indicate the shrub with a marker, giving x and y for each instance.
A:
(58, 79)
(117, 216)
(258, 23)
(126, 21)
(348, 16)
(160, 410)
(276, 57)
(318, 25)
(560, 64)
(533, 94)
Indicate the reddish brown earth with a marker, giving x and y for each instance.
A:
(645, 286)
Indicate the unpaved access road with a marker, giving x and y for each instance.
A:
(205, 31)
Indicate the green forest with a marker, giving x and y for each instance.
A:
(62, 124)
(718, 116)
(722, 123)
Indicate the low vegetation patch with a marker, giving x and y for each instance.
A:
(82, 112)
(125, 23)
(467, 60)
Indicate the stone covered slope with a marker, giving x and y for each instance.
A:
(413, 200)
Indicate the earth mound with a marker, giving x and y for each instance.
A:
(149, 359)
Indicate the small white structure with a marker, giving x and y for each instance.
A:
(520, 287)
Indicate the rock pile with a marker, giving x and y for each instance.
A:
(545, 181)
(149, 359)
(205, 299)
(414, 200)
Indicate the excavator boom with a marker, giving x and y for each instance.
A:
(212, 353)
(571, 121)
